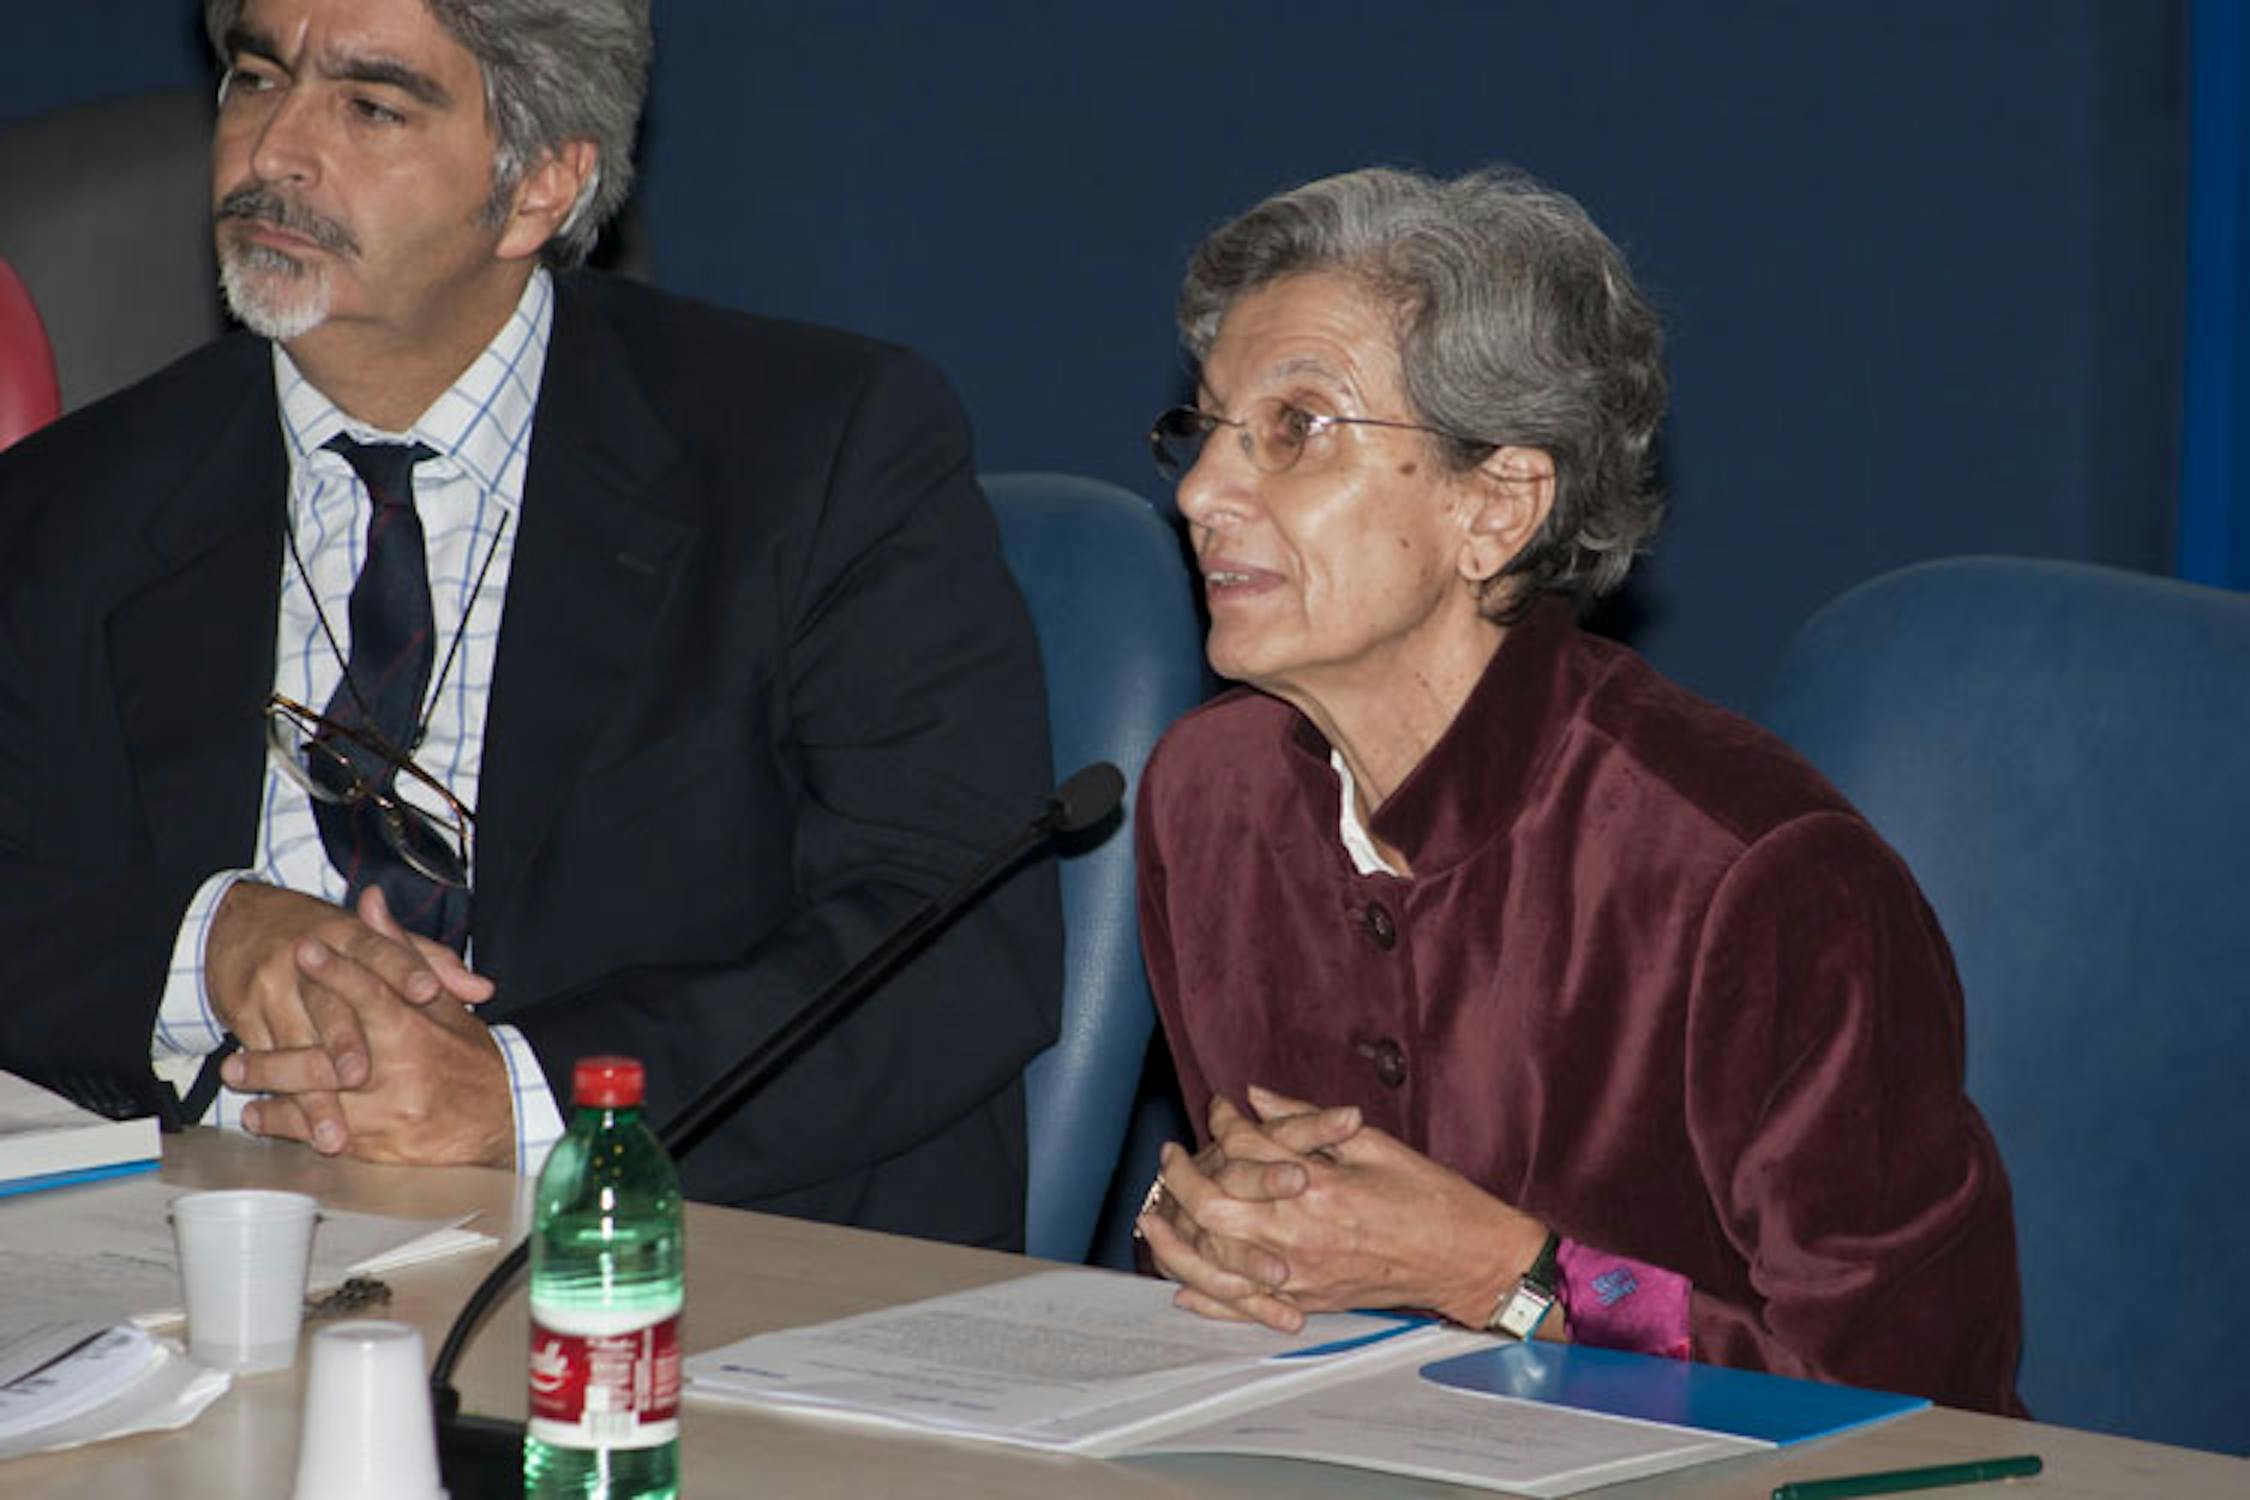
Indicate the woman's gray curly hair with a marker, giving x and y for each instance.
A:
(1519, 324)
(554, 71)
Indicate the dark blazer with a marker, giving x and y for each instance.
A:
(763, 684)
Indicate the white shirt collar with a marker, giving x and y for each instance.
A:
(481, 424)
(1366, 858)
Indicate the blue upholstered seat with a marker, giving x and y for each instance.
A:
(1110, 599)
(2062, 754)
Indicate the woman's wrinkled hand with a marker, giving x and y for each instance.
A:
(1201, 1226)
(1291, 1213)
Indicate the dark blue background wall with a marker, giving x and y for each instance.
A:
(1922, 261)
(2214, 525)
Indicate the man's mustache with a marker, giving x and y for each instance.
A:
(263, 203)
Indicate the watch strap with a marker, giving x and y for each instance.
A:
(1523, 1307)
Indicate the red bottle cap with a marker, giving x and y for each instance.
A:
(607, 1082)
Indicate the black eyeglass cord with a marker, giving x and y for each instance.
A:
(343, 666)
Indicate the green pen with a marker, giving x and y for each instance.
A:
(1897, 1481)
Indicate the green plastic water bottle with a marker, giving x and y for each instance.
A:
(607, 1282)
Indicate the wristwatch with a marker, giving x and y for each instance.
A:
(1524, 1305)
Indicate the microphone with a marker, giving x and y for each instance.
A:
(1080, 802)
(484, 1455)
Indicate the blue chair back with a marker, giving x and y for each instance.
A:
(1115, 616)
(2061, 753)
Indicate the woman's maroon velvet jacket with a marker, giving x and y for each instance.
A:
(1651, 980)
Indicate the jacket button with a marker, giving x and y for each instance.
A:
(1380, 926)
(1390, 1063)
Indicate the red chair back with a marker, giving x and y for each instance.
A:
(29, 397)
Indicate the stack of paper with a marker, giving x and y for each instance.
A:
(63, 1384)
(1069, 1360)
(1087, 1362)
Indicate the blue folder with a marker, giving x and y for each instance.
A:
(1740, 1403)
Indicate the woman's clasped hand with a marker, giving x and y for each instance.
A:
(1294, 1209)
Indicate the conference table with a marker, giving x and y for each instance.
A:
(750, 1273)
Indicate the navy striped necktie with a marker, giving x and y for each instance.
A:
(393, 646)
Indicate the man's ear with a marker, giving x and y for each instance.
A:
(1511, 493)
(544, 197)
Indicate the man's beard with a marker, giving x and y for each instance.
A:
(275, 294)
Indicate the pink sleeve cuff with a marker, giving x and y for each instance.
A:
(1614, 1303)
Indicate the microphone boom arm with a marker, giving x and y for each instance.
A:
(488, 1444)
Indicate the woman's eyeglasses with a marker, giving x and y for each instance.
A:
(326, 757)
(1274, 435)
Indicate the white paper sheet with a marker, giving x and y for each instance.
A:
(1398, 1422)
(104, 1253)
(1063, 1359)
(126, 1381)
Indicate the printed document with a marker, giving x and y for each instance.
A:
(1089, 1362)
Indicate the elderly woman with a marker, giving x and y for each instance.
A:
(1509, 979)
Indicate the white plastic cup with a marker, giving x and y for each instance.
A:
(367, 1432)
(243, 1256)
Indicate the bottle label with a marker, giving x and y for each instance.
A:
(606, 1389)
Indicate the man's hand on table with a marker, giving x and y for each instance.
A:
(359, 1028)
(437, 1093)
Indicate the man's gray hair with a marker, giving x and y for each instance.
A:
(1518, 324)
(554, 71)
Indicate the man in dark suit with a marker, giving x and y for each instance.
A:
(700, 614)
